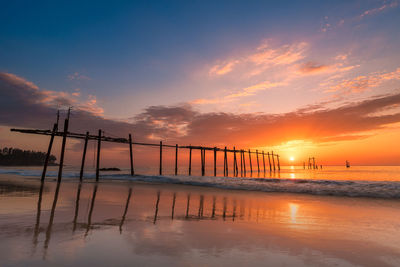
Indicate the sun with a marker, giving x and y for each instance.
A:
(291, 158)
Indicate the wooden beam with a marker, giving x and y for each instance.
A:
(215, 161)
(190, 161)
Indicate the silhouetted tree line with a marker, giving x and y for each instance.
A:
(17, 157)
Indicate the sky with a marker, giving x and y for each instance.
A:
(302, 78)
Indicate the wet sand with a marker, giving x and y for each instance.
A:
(119, 223)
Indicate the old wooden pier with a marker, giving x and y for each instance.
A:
(100, 137)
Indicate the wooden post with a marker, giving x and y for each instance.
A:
(235, 169)
(269, 162)
(131, 154)
(84, 156)
(279, 165)
(314, 162)
(273, 160)
(258, 163)
(263, 160)
(176, 159)
(241, 163)
(160, 158)
(202, 161)
(244, 164)
(215, 161)
(251, 166)
(98, 156)
(190, 161)
(46, 161)
(64, 141)
(225, 163)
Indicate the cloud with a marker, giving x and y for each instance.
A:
(362, 83)
(21, 106)
(76, 76)
(221, 69)
(374, 11)
(312, 67)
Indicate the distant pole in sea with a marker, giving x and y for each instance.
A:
(244, 163)
(269, 162)
(258, 163)
(263, 160)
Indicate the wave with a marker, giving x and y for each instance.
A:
(372, 189)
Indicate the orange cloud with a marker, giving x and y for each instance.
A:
(362, 83)
(221, 69)
(312, 67)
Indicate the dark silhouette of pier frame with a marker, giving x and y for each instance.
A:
(101, 138)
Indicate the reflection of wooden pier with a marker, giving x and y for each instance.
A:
(100, 137)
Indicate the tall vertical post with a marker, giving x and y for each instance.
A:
(241, 163)
(269, 162)
(64, 141)
(202, 161)
(244, 164)
(314, 162)
(131, 154)
(251, 166)
(46, 161)
(215, 161)
(258, 163)
(160, 172)
(225, 163)
(234, 162)
(176, 159)
(263, 160)
(190, 160)
(84, 156)
(273, 160)
(98, 156)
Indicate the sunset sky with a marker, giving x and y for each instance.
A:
(302, 78)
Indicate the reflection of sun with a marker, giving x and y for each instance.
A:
(291, 158)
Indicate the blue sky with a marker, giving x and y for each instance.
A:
(137, 54)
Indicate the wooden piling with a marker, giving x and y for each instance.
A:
(241, 163)
(273, 160)
(46, 161)
(190, 161)
(225, 163)
(202, 154)
(235, 167)
(263, 160)
(131, 154)
(215, 161)
(258, 163)
(269, 162)
(244, 164)
(64, 141)
(98, 156)
(176, 159)
(160, 172)
(251, 166)
(83, 156)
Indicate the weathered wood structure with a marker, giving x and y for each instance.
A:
(100, 137)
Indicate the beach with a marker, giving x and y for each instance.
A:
(115, 222)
